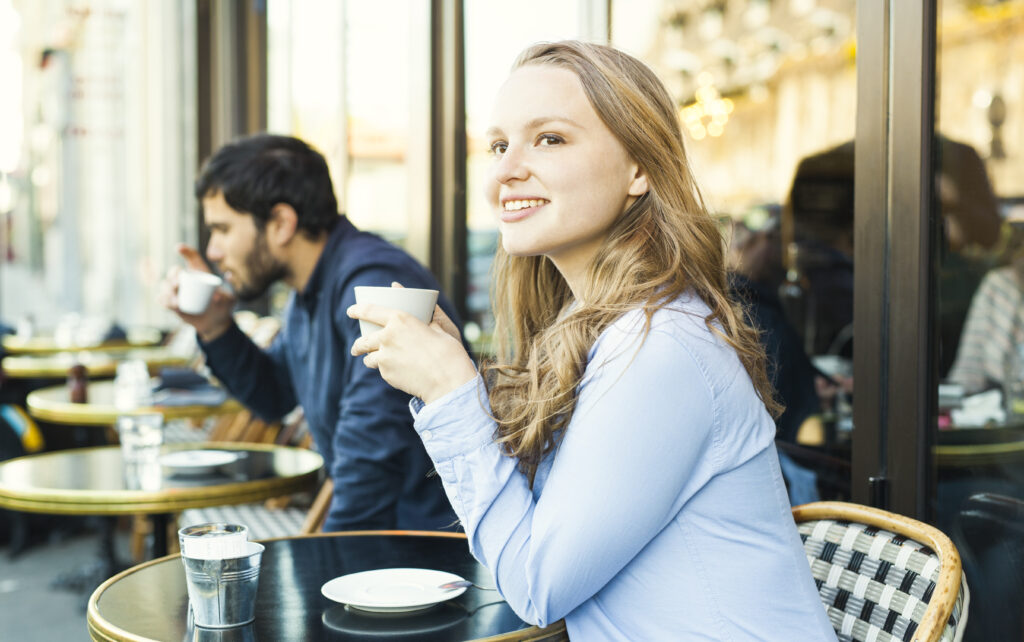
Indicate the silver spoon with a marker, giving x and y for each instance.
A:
(463, 584)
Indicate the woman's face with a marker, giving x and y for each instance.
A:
(559, 177)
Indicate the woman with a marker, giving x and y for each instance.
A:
(615, 465)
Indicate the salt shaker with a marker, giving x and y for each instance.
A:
(78, 384)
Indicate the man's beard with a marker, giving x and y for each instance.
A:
(261, 269)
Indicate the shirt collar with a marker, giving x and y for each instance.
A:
(332, 248)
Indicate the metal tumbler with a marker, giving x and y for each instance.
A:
(222, 592)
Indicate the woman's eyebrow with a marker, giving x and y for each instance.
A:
(535, 123)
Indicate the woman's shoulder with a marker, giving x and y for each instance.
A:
(679, 328)
(681, 317)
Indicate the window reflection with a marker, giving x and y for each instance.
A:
(332, 83)
(979, 186)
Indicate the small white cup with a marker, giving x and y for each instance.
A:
(195, 289)
(419, 303)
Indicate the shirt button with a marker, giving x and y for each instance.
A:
(426, 435)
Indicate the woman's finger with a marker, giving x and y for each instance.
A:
(366, 344)
(370, 312)
(446, 324)
(370, 360)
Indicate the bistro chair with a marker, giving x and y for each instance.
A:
(883, 577)
(989, 532)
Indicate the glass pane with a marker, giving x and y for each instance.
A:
(767, 95)
(96, 161)
(979, 199)
(361, 104)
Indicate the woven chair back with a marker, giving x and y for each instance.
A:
(883, 577)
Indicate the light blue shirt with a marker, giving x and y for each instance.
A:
(661, 516)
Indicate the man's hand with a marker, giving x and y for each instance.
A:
(216, 319)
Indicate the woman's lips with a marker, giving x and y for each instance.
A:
(522, 211)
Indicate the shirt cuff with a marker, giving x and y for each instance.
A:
(455, 424)
(226, 344)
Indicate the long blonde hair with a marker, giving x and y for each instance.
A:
(664, 244)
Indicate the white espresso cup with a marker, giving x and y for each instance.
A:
(195, 289)
(418, 303)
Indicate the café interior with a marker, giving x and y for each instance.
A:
(914, 246)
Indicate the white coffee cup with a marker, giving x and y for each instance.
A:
(195, 289)
(419, 303)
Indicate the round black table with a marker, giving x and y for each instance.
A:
(149, 601)
(95, 481)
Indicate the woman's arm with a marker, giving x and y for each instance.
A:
(639, 445)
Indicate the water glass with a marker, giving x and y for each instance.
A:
(222, 592)
(141, 436)
(131, 385)
(145, 475)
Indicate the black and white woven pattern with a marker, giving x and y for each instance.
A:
(875, 585)
(263, 522)
(181, 432)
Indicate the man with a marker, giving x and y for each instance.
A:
(269, 206)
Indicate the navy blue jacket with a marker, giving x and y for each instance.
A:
(382, 476)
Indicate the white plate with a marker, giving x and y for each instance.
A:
(392, 590)
(197, 462)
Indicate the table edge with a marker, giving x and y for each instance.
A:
(113, 503)
(106, 369)
(64, 412)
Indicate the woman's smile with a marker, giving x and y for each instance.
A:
(517, 208)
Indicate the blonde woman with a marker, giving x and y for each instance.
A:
(615, 465)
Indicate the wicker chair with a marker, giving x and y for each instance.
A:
(883, 577)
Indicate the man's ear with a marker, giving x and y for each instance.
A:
(282, 225)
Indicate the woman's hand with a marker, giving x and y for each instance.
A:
(427, 361)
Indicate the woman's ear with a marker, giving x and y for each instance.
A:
(638, 186)
(283, 224)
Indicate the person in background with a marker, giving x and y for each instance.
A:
(269, 206)
(992, 332)
(754, 265)
(615, 465)
(753, 281)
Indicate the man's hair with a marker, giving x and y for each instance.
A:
(257, 172)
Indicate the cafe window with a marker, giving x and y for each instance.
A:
(97, 157)
(352, 78)
(978, 210)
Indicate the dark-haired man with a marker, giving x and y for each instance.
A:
(269, 206)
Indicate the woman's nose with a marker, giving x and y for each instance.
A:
(511, 166)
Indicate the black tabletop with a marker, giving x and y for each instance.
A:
(95, 481)
(150, 600)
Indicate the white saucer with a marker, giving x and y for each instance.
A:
(197, 462)
(392, 590)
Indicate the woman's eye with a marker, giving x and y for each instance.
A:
(498, 147)
(549, 139)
